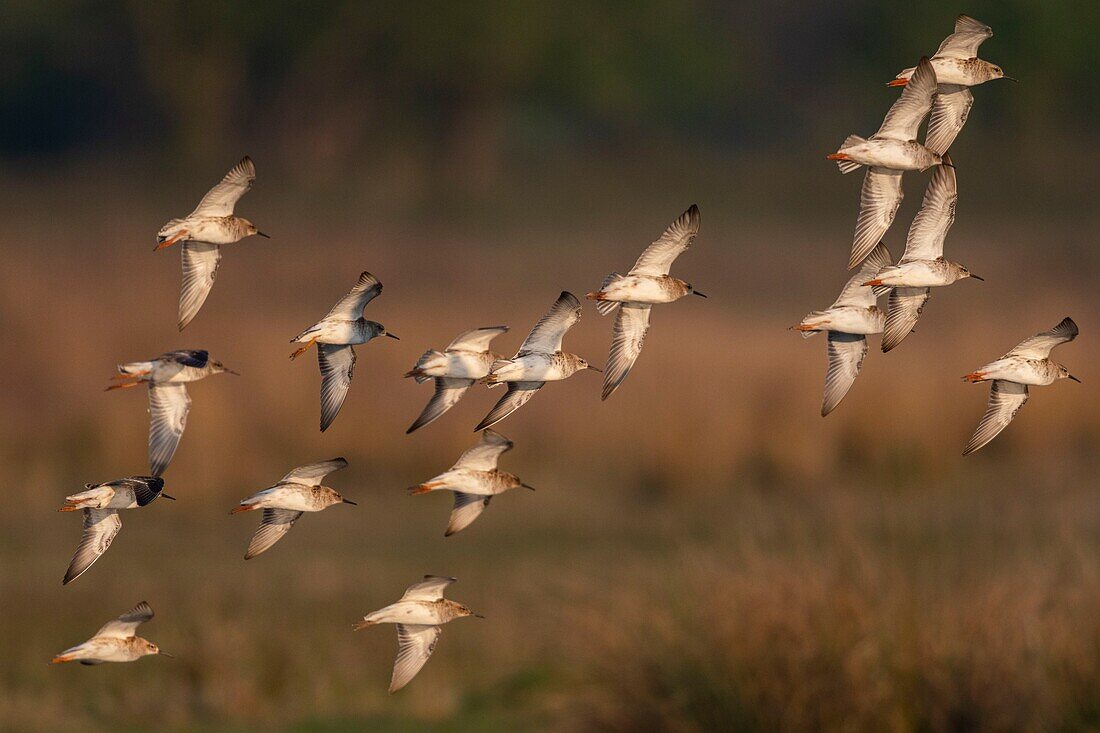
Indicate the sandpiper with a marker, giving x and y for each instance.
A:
(418, 615)
(169, 402)
(101, 504)
(335, 336)
(115, 642)
(538, 361)
(848, 321)
(1027, 364)
(957, 68)
(298, 492)
(203, 231)
(648, 283)
(464, 361)
(888, 153)
(474, 479)
(922, 267)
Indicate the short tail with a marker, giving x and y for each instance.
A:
(243, 508)
(843, 162)
(424, 488)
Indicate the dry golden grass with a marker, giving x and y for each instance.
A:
(703, 552)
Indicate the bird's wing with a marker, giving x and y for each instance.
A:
(477, 339)
(631, 325)
(905, 116)
(846, 352)
(429, 589)
(314, 473)
(547, 335)
(964, 42)
(275, 524)
(1005, 400)
(468, 507)
(186, 357)
(126, 625)
(950, 108)
(484, 454)
(448, 391)
(854, 293)
(415, 644)
(879, 200)
(220, 200)
(168, 408)
(518, 394)
(903, 312)
(351, 305)
(1039, 346)
(337, 363)
(658, 257)
(936, 215)
(100, 528)
(200, 267)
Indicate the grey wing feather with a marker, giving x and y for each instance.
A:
(273, 527)
(937, 213)
(518, 395)
(484, 454)
(846, 352)
(627, 337)
(448, 391)
(905, 116)
(1005, 400)
(351, 305)
(430, 588)
(337, 362)
(221, 199)
(126, 625)
(879, 200)
(547, 335)
(855, 293)
(200, 268)
(314, 473)
(467, 508)
(903, 312)
(187, 357)
(476, 340)
(658, 257)
(1040, 345)
(963, 43)
(415, 644)
(168, 408)
(604, 307)
(950, 108)
(100, 528)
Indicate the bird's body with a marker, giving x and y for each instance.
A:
(957, 68)
(1027, 365)
(538, 361)
(167, 376)
(204, 231)
(100, 504)
(647, 284)
(418, 614)
(848, 322)
(474, 479)
(284, 503)
(897, 155)
(335, 335)
(116, 641)
(454, 370)
(921, 274)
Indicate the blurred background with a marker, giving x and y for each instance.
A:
(704, 551)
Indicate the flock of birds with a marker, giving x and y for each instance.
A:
(940, 86)
(937, 88)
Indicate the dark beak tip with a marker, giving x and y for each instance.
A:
(978, 277)
(395, 338)
(1075, 379)
(265, 236)
(349, 501)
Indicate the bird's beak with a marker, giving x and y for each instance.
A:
(595, 369)
(261, 234)
(349, 501)
(948, 165)
(165, 654)
(696, 292)
(392, 336)
(230, 371)
(977, 277)
(528, 487)
(477, 615)
(1010, 78)
(1075, 379)
(165, 496)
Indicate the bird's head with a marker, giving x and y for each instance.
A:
(220, 368)
(250, 229)
(1063, 373)
(332, 496)
(148, 648)
(996, 72)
